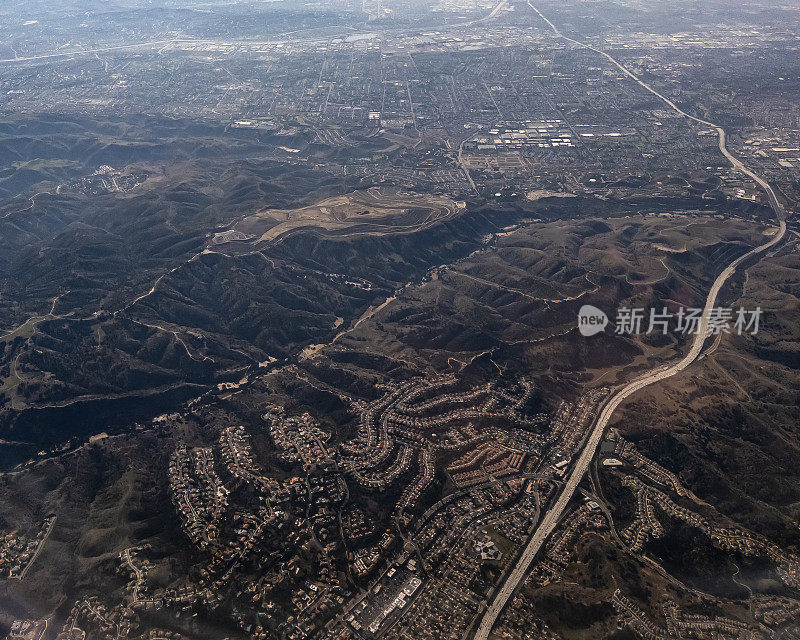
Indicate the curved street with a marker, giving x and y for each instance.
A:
(554, 513)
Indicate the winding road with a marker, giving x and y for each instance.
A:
(554, 513)
(126, 556)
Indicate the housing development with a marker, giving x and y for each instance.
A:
(399, 320)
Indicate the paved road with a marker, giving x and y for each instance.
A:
(126, 556)
(555, 512)
(38, 550)
(122, 47)
(500, 5)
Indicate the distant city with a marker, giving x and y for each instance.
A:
(294, 307)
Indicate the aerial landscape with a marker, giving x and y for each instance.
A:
(399, 320)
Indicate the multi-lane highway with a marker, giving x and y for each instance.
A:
(554, 513)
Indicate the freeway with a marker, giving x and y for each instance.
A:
(79, 52)
(554, 513)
